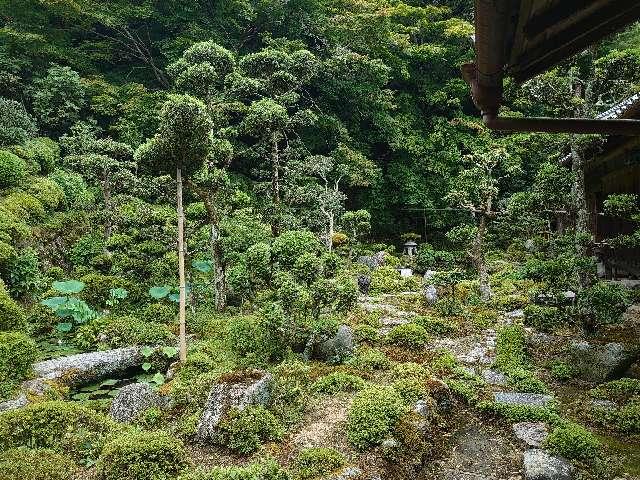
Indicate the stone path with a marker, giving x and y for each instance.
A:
(478, 451)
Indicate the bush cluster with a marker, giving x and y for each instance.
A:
(543, 318)
(17, 354)
(409, 335)
(12, 169)
(245, 430)
(141, 456)
(512, 360)
(12, 316)
(574, 442)
(603, 303)
(65, 427)
(367, 358)
(119, 331)
(35, 464)
(338, 382)
(313, 463)
(375, 412)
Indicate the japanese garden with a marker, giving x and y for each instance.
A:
(319, 240)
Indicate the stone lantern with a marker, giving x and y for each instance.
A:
(410, 248)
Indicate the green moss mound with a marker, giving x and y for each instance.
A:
(65, 427)
(142, 456)
(373, 415)
(17, 354)
(12, 316)
(267, 469)
(35, 464)
(245, 430)
(317, 463)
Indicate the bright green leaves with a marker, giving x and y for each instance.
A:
(68, 287)
(159, 292)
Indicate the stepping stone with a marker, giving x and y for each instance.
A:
(527, 399)
(532, 434)
(494, 378)
(540, 465)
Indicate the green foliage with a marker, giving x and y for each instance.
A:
(367, 358)
(16, 125)
(245, 430)
(267, 469)
(520, 413)
(73, 186)
(12, 169)
(141, 456)
(410, 370)
(290, 391)
(561, 370)
(602, 304)
(114, 331)
(24, 276)
(291, 245)
(12, 315)
(544, 318)
(65, 427)
(338, 382)
(436, 326)
(307, 268)
(48, 193)
(409, 335)
(410, 389)
(386, 280)
(512, 359)
(17, 354)
(574, 442)
(43, 152)
(58, 98)
(373, 415)
(36, 464)
(617, 390)
(313, 463)
(366, 333)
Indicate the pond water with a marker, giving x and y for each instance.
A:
(54, 347)
(106, 390)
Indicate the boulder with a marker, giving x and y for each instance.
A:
(526, 399)
(132, 400)
(428, 275)
(338, 348)
(252, 388)
(19, 402)
(430, 294)
(364, 284)
(405, 272)
(532, 434)
(493, 377)
(540, 465)
(83, 368)
(373, 261)
(601, 362)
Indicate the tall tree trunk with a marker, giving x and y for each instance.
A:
(181, 271)
(219, 277)
(106, 196)
(480, 260)
(583, 232)
(275, 185)
(330, 232)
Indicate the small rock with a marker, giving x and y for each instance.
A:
(255, 389)
(601, 362)
(405, 272)
(603, 404)
(532, 434)
(19, 402)
(348, 473)
(428, 275)
(364, 283)
(516, 398)
(338, 348)
(132, 400)
(518, 313)
(430, 294)
(494, 378)
(540, 465)
(390, 443)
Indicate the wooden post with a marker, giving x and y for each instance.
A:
(183, 286)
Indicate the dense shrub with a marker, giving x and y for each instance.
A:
(65, 427)
(245, 430)
(24, 206)
(291, 245)
(313, 463)
(47, 192)
(602, 304)
(17, 354)
(617, 390)
(366, 333)
(58, 98)
(267, 469)
(386, 280)
(119, 331)
(24, 277)
(73, 186)
(141, 456)
(12, 169)
(512, 359)
(12, 316)
(160, 313)
(86, 248)
(338, 382)
(290, 391)
(543, 318)
(409, 335)
(367, 358)
(16, 125)
(307, 268)
(573, 441)
(35, 464)
(373, 415)
(561, 370)
(44, 152)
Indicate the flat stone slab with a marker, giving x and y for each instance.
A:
(493, 377)
(532, 434)
(540, 465)
(527, 399)
(253, 390)
(132, 400)
(87, 367)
